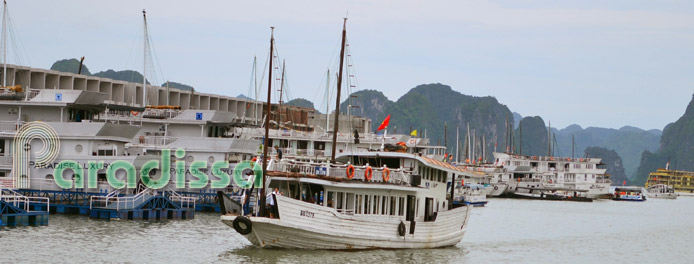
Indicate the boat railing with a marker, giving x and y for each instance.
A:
(10, 126)
(155, 140)
(182, 200)
(20, 201)
(118, 202)
(161, 113)
(397, 176)
(31, 93)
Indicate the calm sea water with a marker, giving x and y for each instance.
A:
(506, 231)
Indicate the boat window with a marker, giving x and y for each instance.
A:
(416, 212)
(411, 207)
(331, 199)
(339, 200)
(367, 204)
(358, 203)
(429, 209)
(349, 203)
(401, 206)
(376, 201)
(392, 205)
(384, 205)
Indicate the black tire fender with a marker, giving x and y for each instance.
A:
(401, 229)
(242, 225)
(496, 187)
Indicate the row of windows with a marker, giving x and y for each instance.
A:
(432, 174)
(351, 203)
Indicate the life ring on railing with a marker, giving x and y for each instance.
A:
(134, 113)
(368, 173)
(350, 171)
(242, 225)
(386, 174)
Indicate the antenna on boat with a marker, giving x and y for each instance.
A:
(573, 145)
(520, 132)
(339, 86)
(144, 62)
(327, 102)
(4, 44)
(266, 140)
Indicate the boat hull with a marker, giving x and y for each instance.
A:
(304, 225)
(662, 195)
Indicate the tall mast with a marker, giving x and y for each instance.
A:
(506, 134)
(573, 144)
(4, 44)
(266, 141)
(469, 144)
(457, 144)
(327, 102)
(255, 88)
(520, 132)
(144, 64)
(445, 135)
(279, 107)
(549, 139)
(339, 86)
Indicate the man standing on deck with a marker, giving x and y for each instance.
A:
(279, 153)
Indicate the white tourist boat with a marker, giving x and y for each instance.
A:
(322, 208)
(661, 191)
(358, 200)
(583, 174)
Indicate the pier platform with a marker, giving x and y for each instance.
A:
(19, 210)
(146, 205)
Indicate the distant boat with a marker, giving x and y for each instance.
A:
(549, 193)
(661, 191)
(629, 193)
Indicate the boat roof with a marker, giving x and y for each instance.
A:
(426, 160)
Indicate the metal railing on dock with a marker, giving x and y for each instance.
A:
(23, 202)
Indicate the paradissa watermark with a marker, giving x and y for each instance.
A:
(196, 169)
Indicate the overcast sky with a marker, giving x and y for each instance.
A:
(592, 63)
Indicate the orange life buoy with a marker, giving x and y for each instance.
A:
(350, 171)
(134, 113)
(386, 174)
(368, 173)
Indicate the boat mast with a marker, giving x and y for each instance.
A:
(144, 62)
(457, 144)
(255, 88)
(573, 144)
(520, 132)
(339, 86)
(266, 141)
(4, 44)
(327, 102)
(279, 107)
(549, 139)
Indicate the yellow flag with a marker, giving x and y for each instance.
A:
(414, 133)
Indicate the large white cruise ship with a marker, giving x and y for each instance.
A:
(586, 174)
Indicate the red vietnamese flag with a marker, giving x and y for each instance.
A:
(384, 124)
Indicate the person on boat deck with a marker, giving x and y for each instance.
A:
(246, 198)
(271, 203)
(279, 152)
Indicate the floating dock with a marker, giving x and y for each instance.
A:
(146, 205)
(20, 210)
